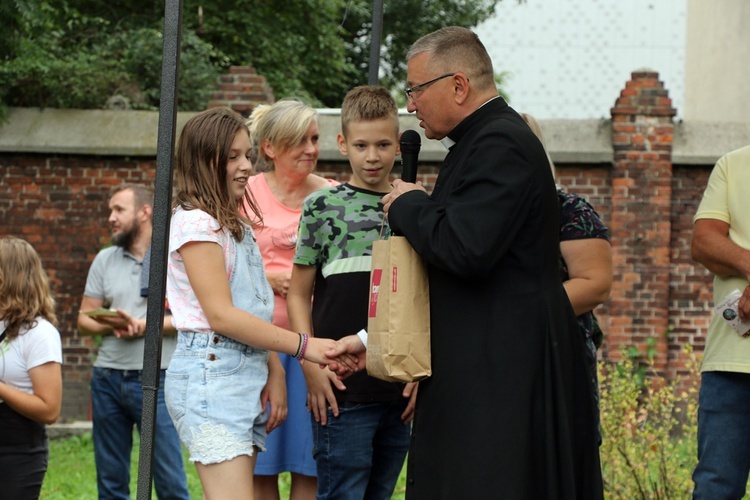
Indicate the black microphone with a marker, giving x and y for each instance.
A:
(410, 144)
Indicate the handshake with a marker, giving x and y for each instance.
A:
(343, 357)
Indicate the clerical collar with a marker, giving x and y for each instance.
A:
(490, 100)
(448, 142)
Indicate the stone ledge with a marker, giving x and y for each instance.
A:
(68, 429)
(134, 133)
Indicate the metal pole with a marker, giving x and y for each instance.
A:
(375, 39)
(170, 71)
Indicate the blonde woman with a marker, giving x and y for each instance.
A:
(30, 369)
(585, 262)
(285, 136)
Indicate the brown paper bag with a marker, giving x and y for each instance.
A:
(398, 325)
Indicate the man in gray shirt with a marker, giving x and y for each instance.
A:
(114, 282)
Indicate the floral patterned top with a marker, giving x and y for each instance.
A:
(579, 221)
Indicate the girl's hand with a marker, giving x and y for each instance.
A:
(316, 349)
(274, 395)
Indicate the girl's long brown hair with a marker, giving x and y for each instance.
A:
(201, 169)
(24, 287)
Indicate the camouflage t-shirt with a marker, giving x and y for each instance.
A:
(336, 232)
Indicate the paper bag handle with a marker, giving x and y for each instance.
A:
(382, 226)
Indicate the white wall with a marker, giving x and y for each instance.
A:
(571, 58)
(717, 73)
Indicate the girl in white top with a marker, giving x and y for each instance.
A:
(30, 369)
(222, 306)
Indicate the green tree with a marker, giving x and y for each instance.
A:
(320, 48)
(58, 56)
(403, 22)
(81, 53)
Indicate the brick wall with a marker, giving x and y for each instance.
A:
(690, 284)
(58, 203)
(642, 136)
(241, 89)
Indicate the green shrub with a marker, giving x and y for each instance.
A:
(648, 430)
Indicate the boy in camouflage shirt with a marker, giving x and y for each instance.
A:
(361, 429)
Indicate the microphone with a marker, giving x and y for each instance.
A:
(410, 144)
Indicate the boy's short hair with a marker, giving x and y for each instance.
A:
(368, 102)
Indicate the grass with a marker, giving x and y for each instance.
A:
(71, 474)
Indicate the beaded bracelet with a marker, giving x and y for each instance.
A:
(299, 346)
(302, 346)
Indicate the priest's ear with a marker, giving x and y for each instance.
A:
(461, 86)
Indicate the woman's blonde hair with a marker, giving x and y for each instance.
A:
(201, 169)
(24, 287)
(283, 124)
(537, 129)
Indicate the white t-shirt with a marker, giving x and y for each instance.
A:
(31, 348)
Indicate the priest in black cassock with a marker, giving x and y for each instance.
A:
(508, 412)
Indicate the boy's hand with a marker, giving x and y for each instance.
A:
(320, 395)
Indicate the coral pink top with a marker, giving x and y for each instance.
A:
(277, 237)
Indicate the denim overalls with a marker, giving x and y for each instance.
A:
(214, 383)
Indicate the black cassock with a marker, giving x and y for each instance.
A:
(508, 412)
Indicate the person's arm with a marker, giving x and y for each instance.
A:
(474, 222)
(298, 304)
(122, 326)
(205, 268)
(589, 263)
(45, 403)
(299, 299)
(137, 327)
(712, 247)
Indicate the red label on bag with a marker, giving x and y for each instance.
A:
(377, 275)
(394, 279)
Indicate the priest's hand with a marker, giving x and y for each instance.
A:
(348, 356)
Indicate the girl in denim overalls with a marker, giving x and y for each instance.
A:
(221, 374)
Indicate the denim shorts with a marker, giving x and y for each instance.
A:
(212, 392)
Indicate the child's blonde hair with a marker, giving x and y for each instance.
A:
(201, 171)
(24, 287)
(283, 124)
(366, 103)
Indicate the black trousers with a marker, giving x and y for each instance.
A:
(24, 451)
